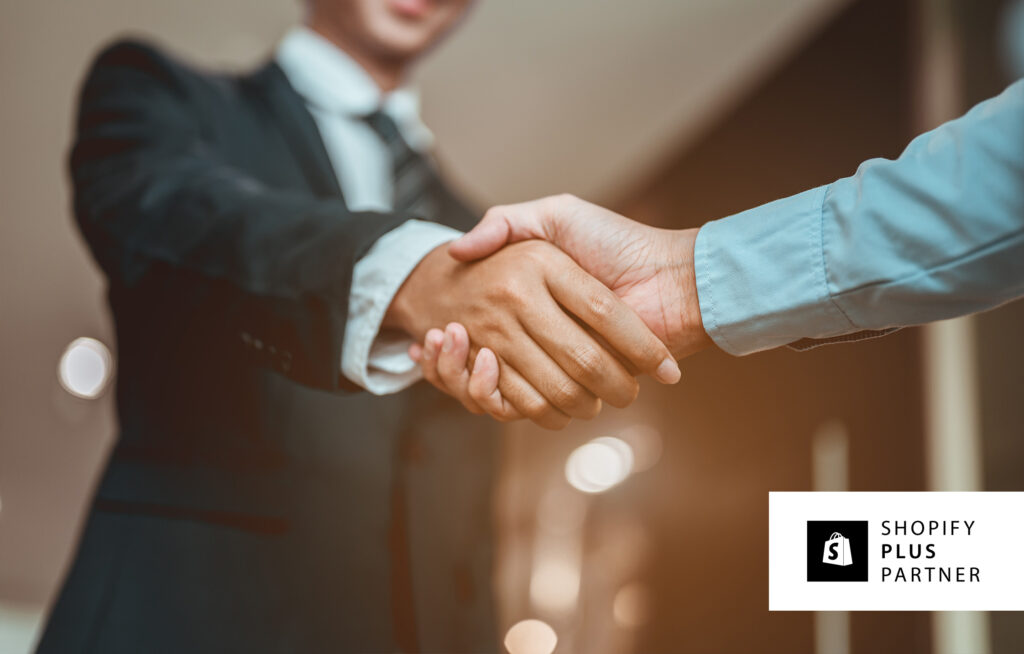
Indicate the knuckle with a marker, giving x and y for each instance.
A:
(489, 327)
(602, 306)
(494, 212)
(509, 291)
(533, 254)
(587, 360)
(652, 351)
(568, 395)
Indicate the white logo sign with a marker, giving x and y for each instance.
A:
(837, 550)
(915, 551)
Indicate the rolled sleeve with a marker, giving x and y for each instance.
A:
(762, 279)
(375, 360)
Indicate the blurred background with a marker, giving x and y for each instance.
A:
(644, 530)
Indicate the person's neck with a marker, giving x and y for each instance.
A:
(387, 74)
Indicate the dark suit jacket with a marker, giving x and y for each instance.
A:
(254, 502)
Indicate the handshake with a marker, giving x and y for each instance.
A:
(550, 308)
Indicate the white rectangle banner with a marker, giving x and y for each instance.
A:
(896, 551)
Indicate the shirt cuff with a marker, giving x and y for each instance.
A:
(761, 277)
(375, 360)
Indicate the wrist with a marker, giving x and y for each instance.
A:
(690, 337)
(413, 307)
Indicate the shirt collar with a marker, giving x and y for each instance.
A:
(331, 81)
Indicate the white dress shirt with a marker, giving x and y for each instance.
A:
(339, 93)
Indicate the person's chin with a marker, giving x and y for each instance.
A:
(405, 38)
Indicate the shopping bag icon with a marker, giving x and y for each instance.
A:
(837, 550)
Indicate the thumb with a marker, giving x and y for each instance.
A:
(499, 227)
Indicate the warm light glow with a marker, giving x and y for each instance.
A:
(646, 443)
(561, 511)
(596, 466)
(631, 606)
(555, 586)
(531, 637)
(85, 368)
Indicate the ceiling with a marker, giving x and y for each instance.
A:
(587, 96)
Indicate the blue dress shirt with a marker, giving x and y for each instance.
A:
(934, 234)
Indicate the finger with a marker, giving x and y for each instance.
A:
(597, 306)
(416, 352)
(431, 348)
(546, 376)
(528, 402)
(452, 365)
(581, 356)
(483, 386)
(499, 226)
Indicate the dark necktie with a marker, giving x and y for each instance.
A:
(411, 172)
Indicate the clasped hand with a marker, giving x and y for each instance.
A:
(562, 328)
(550, 342)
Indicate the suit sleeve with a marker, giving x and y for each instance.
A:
(156, 202)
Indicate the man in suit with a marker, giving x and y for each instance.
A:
(273, 242)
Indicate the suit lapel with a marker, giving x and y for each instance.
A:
(299, 128)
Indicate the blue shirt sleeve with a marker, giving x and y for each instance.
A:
(934, 234)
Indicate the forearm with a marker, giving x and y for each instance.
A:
(163, 213)
(937, 233)
(281, 268)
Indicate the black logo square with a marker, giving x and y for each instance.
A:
(837, 550)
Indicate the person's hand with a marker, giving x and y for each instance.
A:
(445, 361)
(650, 269)
(527, 304)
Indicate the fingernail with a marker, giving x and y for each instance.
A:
(428, 351)
(668, 372)
(447, 344)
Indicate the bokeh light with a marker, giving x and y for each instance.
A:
(561, 511)
(85, 368)
(531, 637)
(631, 606)
(555, 586)
(602, 463)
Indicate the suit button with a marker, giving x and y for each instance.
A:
(246, 337)
(257, 343)
(286, 360)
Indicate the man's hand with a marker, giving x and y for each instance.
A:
(650, 269)
(526, 305)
